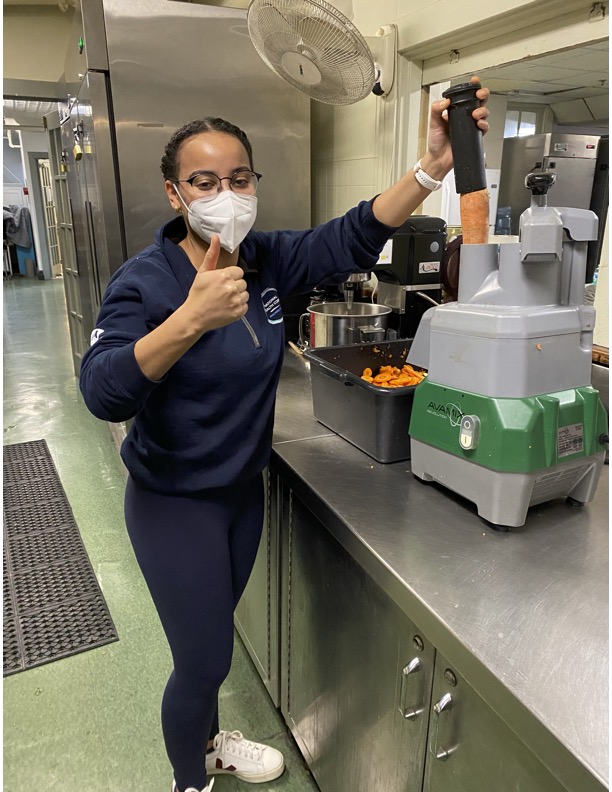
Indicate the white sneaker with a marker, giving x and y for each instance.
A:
(207, 788)
(249, 761)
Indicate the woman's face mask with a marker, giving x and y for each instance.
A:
(228, 215)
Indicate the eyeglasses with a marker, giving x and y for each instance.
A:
(243, 181)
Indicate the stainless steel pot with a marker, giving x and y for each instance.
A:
(335, 324)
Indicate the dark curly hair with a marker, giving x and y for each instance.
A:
(169, 163)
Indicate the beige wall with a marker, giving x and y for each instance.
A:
(35, 42)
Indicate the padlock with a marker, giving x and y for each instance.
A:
(77, 151)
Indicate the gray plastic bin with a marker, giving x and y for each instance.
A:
(374, 419)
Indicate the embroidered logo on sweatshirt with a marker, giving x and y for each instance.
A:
(272, 306)
(95, 336)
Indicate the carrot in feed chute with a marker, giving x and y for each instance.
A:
(468, 158)
(474, 211)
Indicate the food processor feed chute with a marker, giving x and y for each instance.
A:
(469, 165)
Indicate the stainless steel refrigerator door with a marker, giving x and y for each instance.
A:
(520, 157)
(77, 198)
(100, 173)
(572, 157)
(196, 61)
(574, 183)
(66, 240)
(87, 142)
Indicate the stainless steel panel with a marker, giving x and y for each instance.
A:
(86, 43)
(196, 61)
(101, 180)
(558, 145)
(293, 418)
(574, 183)
(357, 680)
(257, 615)
(66, 240)
(41, 89)
(83, 269)
(93, 195)
(94, 35)
(75, 62)
(600, 379)
(471, 749)
(520, 156)
(574, 162)
(499, 606)
(273, 680)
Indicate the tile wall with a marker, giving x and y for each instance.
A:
(341, 184)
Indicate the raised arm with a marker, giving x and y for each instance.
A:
(395, 205)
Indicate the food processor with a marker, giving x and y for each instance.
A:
(507, 416)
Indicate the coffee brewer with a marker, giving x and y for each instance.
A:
(409, 273)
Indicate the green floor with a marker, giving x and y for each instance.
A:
(91, 722)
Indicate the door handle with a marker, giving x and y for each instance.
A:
(94, 255)
(409, 711)
(444, 705)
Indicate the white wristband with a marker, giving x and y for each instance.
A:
(424, 180)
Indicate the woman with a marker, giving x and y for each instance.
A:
(189, 342)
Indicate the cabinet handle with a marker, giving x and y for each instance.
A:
(445, 704)
(409, 711)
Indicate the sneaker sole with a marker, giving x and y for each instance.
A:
(251, 778)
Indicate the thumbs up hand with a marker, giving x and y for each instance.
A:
(211, 259)
(217, 297)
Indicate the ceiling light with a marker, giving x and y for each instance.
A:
(10, 122)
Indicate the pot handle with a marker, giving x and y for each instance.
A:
(302, 335)
(371, 333)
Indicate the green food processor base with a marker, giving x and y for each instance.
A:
(506, 455)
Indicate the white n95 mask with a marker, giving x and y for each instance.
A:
(228, 215)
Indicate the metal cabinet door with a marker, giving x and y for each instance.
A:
(92, 190)
(257, 615)
(471, 749)
(356, 675)
(77, 200)
(70, 272)
(99, 170)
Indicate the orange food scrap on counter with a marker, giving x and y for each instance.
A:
(393, 377)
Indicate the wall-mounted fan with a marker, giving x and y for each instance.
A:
(316, 48)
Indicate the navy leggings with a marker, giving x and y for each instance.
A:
(196, 555)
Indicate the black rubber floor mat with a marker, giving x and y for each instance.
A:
(52, 603)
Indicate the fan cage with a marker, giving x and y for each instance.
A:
(318, 32)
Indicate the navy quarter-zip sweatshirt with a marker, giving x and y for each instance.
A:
(208, 422)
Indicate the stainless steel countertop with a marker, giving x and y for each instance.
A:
(523, 616)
